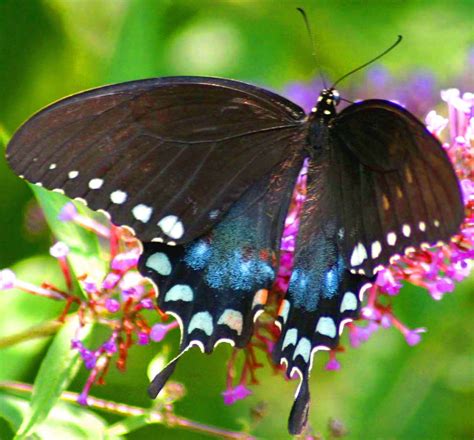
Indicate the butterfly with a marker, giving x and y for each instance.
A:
(203, 170)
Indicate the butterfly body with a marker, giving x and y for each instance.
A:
(204, 170)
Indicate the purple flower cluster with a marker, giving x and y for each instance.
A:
(117, 302)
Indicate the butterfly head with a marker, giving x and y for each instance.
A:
(327, 102)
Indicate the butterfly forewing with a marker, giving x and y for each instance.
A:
(166, 157)
(396, 186)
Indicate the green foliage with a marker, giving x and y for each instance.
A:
(66, 421)
(21, 311)
(56, 371)
(128, 425)
(86, 256)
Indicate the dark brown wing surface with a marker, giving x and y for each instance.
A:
(394, 184)
(164, 156)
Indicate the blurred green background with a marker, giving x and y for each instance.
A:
(52, 48)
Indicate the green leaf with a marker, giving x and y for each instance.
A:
(25, 311)
(158, 362)
(13, 409)
(71, 422)
(129, 424)
(66, 421)
(57, 370)
(86, 256)
(4, 137)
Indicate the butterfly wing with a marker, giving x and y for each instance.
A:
(323, 294)
(164, 156)
(217, 284)
(396, 187)
(379, 184)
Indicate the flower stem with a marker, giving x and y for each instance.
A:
(153, 416)
(38, 331)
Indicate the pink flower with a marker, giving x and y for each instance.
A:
(231, 395)
(435, 123)
(147, 303)
(82, 398)
(59, 250)
(111, 280)
(110, 346)
(159, 331)
(68, 213)
(333, 364)
(125, 261)
(387, 282)
(89, 286)
(413, 336)
(7, 279)
(112, 305)
(142, 338)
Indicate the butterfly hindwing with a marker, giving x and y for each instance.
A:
(322, 295)
(165, 156)
(206, 314)
(394, 184)
(217, 284)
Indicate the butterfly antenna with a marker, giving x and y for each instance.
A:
(346, 100)
(385, 52)
(313, 46)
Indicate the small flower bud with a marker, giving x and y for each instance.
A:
(7, 279)
(125, 261)
(82, 399)
(76, 344)
(89, 358)
(59, 250)
(231, 395)
(158, 332)
(68, 213)
(413, 337)
(111, 280)
(147, 303)
(143, 338)
(333, 365)
(110, 346)
(387, 282)
(89, 286)
(112, 305)
(386, 320)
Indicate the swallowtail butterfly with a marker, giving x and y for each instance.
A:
(203, 170)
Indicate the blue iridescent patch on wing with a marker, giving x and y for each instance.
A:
(318, 275)
(231, 258)
(302, 289)
(238, 273)
(332, 278)
(198, 254)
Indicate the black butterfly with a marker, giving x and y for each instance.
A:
(203, 170)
